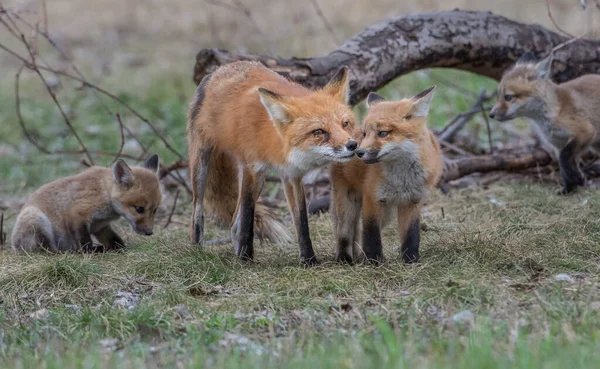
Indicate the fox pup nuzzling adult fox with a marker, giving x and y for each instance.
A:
(567, 114)
(246, 118)
(64, 215)
(400, 162)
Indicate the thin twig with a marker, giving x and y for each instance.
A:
(487, 124)
(2, 234)
(554, 21)
(455, 148)
(172, 210)
(122, 130)
(459, 121)
(57, 103)
(243, 9)
(325, 21)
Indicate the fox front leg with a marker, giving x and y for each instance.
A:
(83, 239)
(569, 171)
(109, 239)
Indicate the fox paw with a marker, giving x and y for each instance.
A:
(309, 261)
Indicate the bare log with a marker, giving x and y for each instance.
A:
(454, 169)
(478, 42)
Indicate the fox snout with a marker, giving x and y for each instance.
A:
(143, 231)
(351, 145)
(368, 156)
(498, 114)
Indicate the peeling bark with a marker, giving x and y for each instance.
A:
(479, 42)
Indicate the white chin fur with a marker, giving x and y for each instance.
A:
(301, 162)
(399, 151)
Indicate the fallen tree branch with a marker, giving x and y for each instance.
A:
(454, 169)
(480, 42)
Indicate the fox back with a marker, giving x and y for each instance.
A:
(258, 116)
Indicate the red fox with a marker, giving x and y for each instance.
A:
(400, 162)
(567, 114)
(64, 215)
(244, 119)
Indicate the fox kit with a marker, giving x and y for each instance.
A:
(64, 215)
(567, 114)
(244, 119)
(400, 162)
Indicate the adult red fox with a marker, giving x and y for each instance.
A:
(244, 119)
(64, 215)
(399, 163)
(567, 115)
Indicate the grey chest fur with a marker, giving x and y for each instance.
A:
(404, 182)
(551, 132)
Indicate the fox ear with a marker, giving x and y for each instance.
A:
(421, 102)
(527, 58)
(373, 99)
(275, 106)
(339, 85)
(152, 163)
(544, 67)
(122, 174)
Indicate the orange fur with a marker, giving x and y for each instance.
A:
(64, 214)
(400, 163)
(246, 118)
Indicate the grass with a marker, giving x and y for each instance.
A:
(494, 265)
(486, 292)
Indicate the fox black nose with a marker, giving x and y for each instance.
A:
(148, 233)
(492, 114)
(360, 152)
(352, 145)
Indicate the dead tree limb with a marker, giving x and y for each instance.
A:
(478, 42)
(454, 169)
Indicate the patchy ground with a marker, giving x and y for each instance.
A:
(509, 278)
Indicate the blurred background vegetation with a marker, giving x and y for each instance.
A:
(144, 52)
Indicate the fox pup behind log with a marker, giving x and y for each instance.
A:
(244, 119)
(64, 215)
(399, 163)
(567, 115)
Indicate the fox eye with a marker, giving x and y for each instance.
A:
(364, 134)
(154, 212)
(508, 97)
(139, 209)
(383, 134)
(345, 124)
(408, 117)
(317, 132)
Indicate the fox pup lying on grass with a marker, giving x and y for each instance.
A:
(400, 161)
(245, 119)
(64, 215)
(567, 114)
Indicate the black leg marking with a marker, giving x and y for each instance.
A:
(307, 253)
(342, 255)
(199, 190)
(83, 239)
(245, 232)
(410, 244)
(372, 246)
(109, 240)
(197, 232)
(570, 173)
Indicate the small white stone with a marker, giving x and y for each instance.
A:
(563, 277)
(40, 314)
(463, 317)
